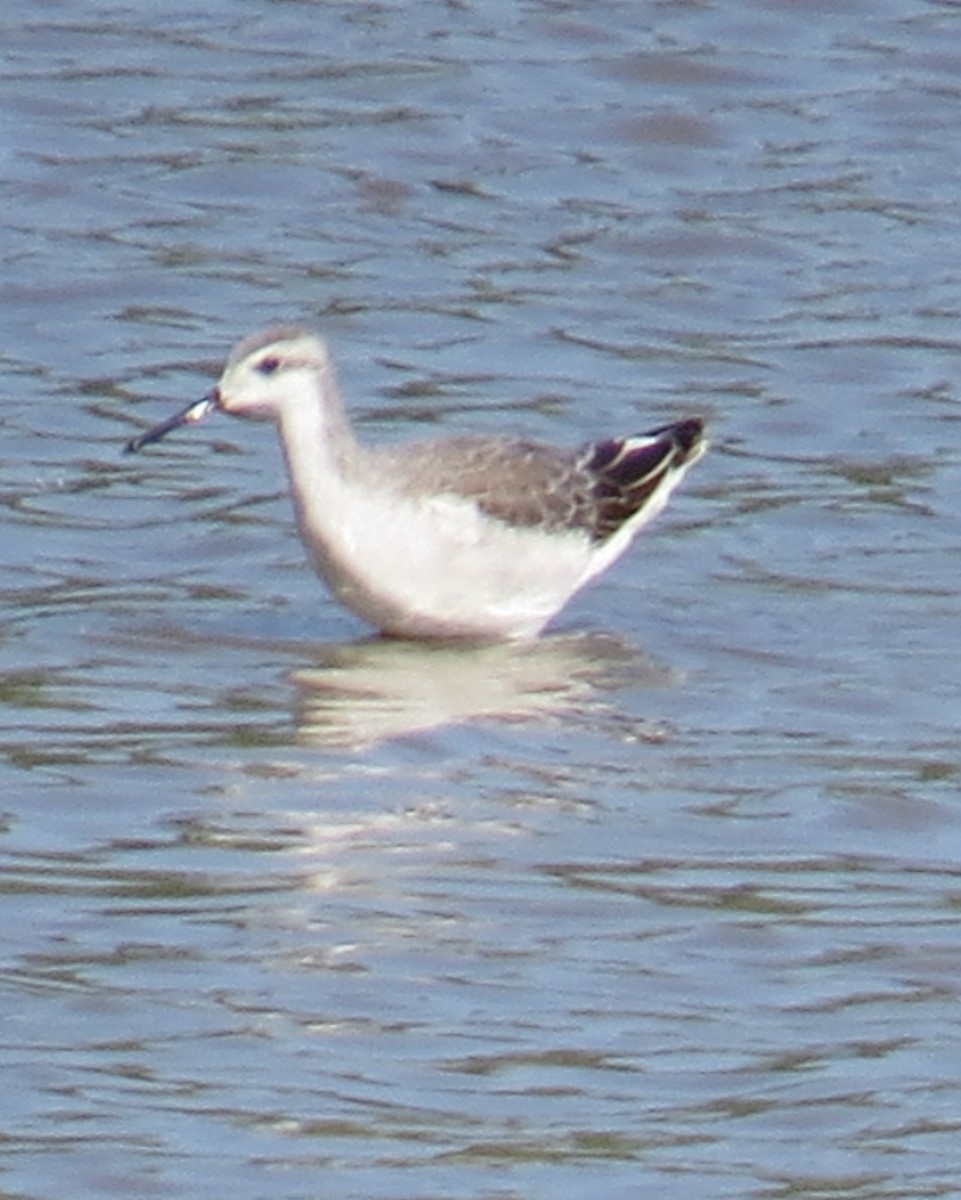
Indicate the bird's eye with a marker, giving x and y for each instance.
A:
(269, 365)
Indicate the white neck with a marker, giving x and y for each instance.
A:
(320, 449)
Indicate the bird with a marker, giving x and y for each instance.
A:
(464, 538)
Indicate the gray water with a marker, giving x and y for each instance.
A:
(667, 905)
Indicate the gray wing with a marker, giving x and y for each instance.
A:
(594, 490)
(518, 482)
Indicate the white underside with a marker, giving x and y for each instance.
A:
(439, 568)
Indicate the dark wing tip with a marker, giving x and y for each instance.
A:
(627, 473)
(687, 435)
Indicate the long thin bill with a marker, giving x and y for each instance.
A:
(187, 416)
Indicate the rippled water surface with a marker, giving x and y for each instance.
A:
(666, 905)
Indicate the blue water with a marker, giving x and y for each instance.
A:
(665, 905)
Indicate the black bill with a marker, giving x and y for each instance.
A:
(193, 412)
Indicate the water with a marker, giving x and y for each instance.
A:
(665, 905)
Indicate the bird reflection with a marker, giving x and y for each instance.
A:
(368, 692)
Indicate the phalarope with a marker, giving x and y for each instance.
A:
(479, 538)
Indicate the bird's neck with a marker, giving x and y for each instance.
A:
(320, 449)
(314, 426)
